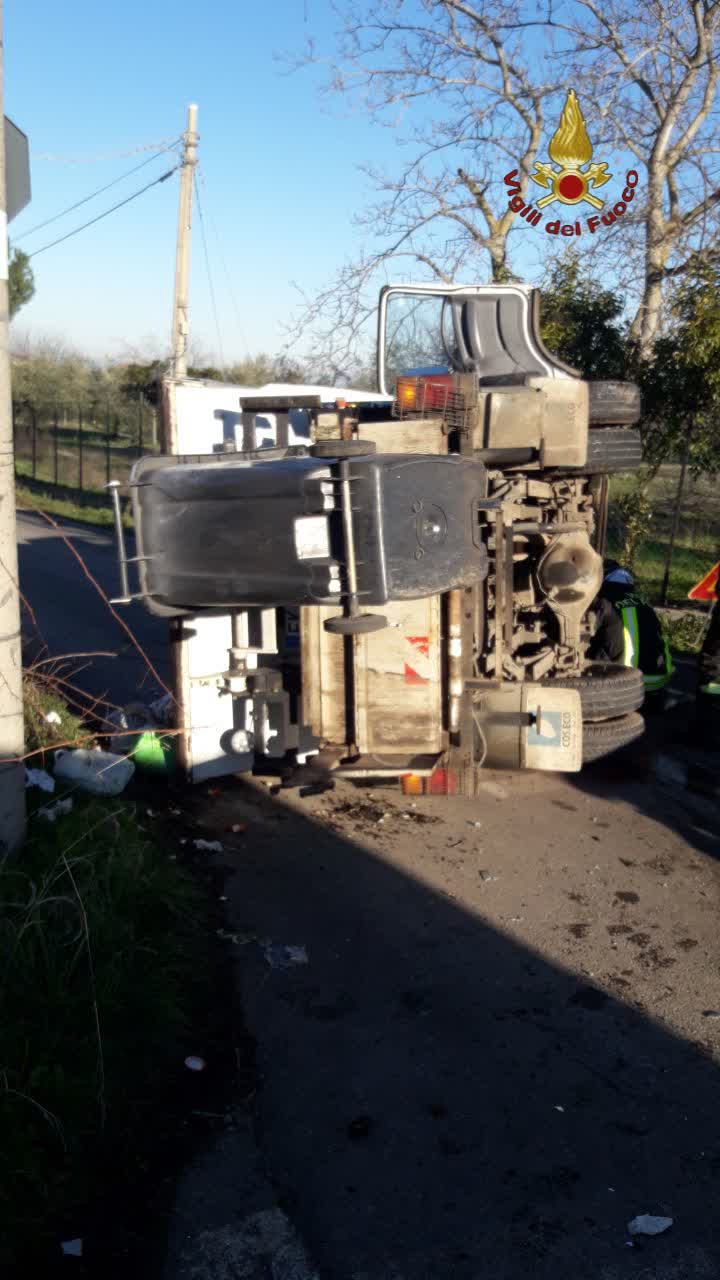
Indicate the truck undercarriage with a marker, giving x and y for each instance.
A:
(407, 588)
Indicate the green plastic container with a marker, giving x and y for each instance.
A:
(154, 752)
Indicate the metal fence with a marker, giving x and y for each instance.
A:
(82, 446)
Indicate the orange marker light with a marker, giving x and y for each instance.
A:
(411, 785)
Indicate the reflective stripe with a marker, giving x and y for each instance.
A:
(631, 636)
(669, 667)
(652, 683)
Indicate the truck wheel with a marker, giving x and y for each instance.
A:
(602, 739)
(607, 690)
(613, 403)
(611, 449)
(343, 448)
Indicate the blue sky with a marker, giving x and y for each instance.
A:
(280, 164)
(92, 84)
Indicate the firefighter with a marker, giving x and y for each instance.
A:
(628, 631)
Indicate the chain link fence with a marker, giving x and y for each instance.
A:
(81, 447)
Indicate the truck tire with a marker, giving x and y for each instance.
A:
(611, 449)
(343, 448)
(600, 740)
(613, 403)
(607, 690)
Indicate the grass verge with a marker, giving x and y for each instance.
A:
(26, 500)
(99, 935)
(698, 534)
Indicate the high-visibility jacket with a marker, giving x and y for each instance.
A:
(710, 655)
(628, 631)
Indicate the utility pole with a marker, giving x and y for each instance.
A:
(181, 309)
(12, 732)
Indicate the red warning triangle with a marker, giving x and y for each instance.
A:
(707, 588)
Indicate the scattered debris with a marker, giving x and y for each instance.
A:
(474, 824)
(130, 722)
(207, 846)
(39, 778)
(359, 1127)
(237, 828)
(195, 1064)
(138, 735)
(100, 772)
(280, 955)
(51, 812)
(647, 1224)
(711, 1013)
(486, 876)
(559, 1108)
(162, 710)
(52, 717)
(72, 1248)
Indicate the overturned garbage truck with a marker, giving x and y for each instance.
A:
(400, 581)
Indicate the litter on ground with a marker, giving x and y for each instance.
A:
(39, 778)
(648, 1224)
(51, 812)
(208, 846)
(100, 772)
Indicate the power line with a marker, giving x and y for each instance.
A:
(228, 279)
(93, 194)
(211, 286)
(101, 157)
(100, 216)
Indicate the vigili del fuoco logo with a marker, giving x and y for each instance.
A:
(571, 178)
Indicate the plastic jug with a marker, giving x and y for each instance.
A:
(99, 772)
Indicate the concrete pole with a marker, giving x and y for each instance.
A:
(181, 308)
(12, 734)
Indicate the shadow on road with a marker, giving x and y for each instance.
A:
(438, 1100)
(72, 617)
(671, 774)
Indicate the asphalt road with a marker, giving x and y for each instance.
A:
(71, 617)
(499, 1048)
(504, 1044)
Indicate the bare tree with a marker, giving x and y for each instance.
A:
(473, 90)
(653, 67)
(464, 69)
